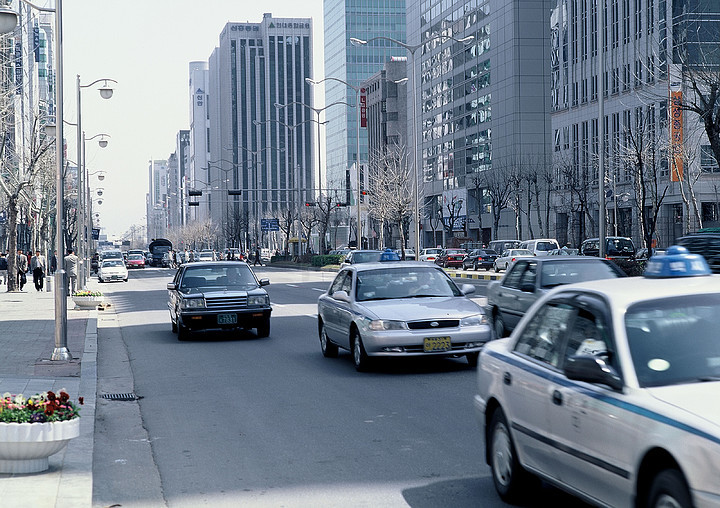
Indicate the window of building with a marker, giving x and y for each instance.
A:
(708, 163)
(709, 212)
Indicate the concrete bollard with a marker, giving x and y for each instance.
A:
(48, 284)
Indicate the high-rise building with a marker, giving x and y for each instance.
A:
(261, 135)
(196, 177)
(157, 199)
(345, 19)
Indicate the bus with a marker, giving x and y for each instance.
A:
(158, 248)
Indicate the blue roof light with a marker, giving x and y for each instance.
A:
(676, 262)
(389, 255)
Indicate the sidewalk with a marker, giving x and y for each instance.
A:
(27, 339)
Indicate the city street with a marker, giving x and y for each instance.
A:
(228, 421)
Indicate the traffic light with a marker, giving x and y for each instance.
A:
(309, 203)
(341, 204)
(194, 193)
(234, 192)
(365, 193)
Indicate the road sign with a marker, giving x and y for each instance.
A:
(270, 224)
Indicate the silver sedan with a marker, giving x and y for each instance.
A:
(398, 308)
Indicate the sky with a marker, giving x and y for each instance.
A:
(146, 47)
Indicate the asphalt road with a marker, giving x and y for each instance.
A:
(242, 421)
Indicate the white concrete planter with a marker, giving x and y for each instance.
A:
(25, 447)
(87, 302)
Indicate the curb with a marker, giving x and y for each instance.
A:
(476, 276)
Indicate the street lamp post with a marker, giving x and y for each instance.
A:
(411, 49)
(358, 236)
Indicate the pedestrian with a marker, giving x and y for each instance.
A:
(21, 269)
(53, 263)
(71, 270)
(38, 265)
(3, 269)
(258, 261)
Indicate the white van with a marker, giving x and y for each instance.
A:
(501, 246)
(540, 246)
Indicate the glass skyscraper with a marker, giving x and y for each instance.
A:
(361, 19)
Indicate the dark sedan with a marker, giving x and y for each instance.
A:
(479, 258)
(218, 295)
(451, 257)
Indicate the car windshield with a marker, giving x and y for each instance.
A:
(392, 283)
(545, 246)
(675, 340)
(113, 262)
(135, 257)
(619, 246)
(233, 278)
(565, 272)
(433, 251)
(366, 257)
(520, 252)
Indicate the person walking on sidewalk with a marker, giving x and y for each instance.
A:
(53, 263)
(71, 268)
(258, 260)
(21, 268)
(3, 269)
(38, 265)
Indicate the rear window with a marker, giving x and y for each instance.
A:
(546, 246)
(556, 274)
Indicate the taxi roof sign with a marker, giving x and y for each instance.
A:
(389, 255)
(676, 262)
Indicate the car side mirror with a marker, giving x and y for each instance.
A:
(172, 286)
(341, 296)
(592, 369)
(467, 289)
(264, 282)
(527, 287)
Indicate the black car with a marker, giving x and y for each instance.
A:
(479, 258)
(218, 295)
(705, 243)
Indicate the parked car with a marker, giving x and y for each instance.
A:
(399, 309)
(616, 247)
(564, 252)
(218, 295)
(707, 244)
(645, 254)
(361, 256)
(112, 269)
(605, 389)
(541, 246)
(429, 254)
(451, 257)
(136, 261)
(206, 255)
(480, 258)
(507, 258)
(529, 278)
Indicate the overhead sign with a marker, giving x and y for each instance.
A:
(270, 224)
(676, 136)
(95, 233)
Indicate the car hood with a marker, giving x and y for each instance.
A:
(693, 398)
(211, 293)
(114, 269)
(416, 309)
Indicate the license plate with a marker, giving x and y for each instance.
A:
(432, 344)
(227, 319)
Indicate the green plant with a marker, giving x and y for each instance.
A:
(329, 259)
(40, 408)
(87, 292)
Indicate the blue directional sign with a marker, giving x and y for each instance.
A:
(270, 224)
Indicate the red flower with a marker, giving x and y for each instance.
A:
(64, 397)
(81, 400)
(51, 396)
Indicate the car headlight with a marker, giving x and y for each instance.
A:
(258, 300)
(476, 320)
(384, 324)
(193, 303)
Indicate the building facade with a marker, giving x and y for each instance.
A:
(261, 136)
(157, 199)
(197, 175)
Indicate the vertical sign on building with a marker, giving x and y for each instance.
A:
(363, 108)
(676, 136)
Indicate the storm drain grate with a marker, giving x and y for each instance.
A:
(119, 396)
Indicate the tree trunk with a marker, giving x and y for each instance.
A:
(12, 243)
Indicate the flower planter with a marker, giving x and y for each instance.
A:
(25, 447)
(87, 302)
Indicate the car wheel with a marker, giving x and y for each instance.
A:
(500, 330)
(100, 280)
(125, 280)
(183, 332)
(497, 268)
(329, 350)
(360, 357)
(475, 266)
(264, 330)
(472, 359)
(508, 475)
(669, 490)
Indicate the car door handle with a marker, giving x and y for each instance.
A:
(557, 398)
(507, 378)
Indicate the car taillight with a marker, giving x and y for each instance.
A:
(513, 259)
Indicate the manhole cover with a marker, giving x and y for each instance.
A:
(119, 396)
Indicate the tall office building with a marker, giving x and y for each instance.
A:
(481, 106)
(157, 199)
(197, 175)
(354, 64)
(261, 136)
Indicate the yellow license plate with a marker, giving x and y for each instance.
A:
(432, 344)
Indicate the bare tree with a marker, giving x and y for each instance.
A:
(309, 218)
(454, 207)
(494, 181)
(286, 219)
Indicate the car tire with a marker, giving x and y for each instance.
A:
(329, 350)
(360, 357)
(475, 267)
(496, 267)
(100, 281)
(499, 326)
(508, 475)
(472, 359)
(264, 330)
(125, 280)
(183, 333)
(669, 488)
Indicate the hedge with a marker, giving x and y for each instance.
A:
(328, 259)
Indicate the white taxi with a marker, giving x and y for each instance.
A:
(610, 390)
